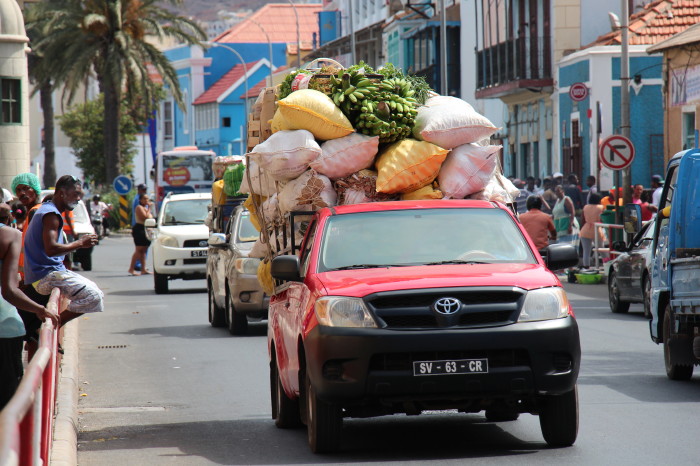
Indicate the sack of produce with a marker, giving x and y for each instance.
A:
(218, 195)
(314, 111)
(286, 154)
(408, 165)
(360, 187)
(221, 162)
(426, 192)
(450, 122)
(498, 189)
(344, 156)
(278, 122)
(233, 177)
(311, 191)
(262, 183)
(269, 208)
(467, 170)
(250, 204)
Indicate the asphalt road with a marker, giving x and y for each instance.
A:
(159, 386)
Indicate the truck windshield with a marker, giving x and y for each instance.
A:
(246, 231)
(185, 212)
(422, 237)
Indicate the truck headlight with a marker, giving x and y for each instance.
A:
(338, 311)
(544, 304)
(169, 241)
(247, 266)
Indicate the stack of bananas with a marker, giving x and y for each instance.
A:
(386, 109)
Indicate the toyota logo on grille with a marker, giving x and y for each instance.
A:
(203, 243)
(447, 306)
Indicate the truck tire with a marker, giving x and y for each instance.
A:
(217, 318)
(616, 305)
(559, 418)
(160, 282)
(673, 371)
(237, 321)
(324, 422)
(285, 411)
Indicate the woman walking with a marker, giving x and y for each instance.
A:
(138, 232)
(564, 216)
(591, 216)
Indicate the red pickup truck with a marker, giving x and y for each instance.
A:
(402, 307)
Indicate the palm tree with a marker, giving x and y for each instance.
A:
(110, 38)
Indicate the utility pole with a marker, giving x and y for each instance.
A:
(443, 49)
(625, 97)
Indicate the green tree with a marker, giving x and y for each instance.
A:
(112, 39)
(84, 124)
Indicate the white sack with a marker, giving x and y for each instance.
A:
(450, 122)
(310, 191)
(344, 156)
(467, 170)
(498, 189)
(263, 183)
(286, 154)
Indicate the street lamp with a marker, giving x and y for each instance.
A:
(245, 81)
(269, 44)
(296, 16)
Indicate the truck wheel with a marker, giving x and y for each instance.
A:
(237, 321)
(324, 422)
(646, 288)
(216, 314)
(161, 282)
(285, 411)
(673, 370)
(559, 418)
(617, 306)
(501, 415)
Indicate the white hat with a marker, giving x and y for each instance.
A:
(558, 175)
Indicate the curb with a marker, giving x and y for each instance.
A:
(65, 435)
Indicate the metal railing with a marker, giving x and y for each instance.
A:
(26, 422)
(599, 248)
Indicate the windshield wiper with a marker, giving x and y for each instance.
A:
(456, 261)
(370, 266)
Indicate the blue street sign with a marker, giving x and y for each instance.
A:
(122, 184)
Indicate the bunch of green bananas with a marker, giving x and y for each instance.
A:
(349, 87)
(388, 113)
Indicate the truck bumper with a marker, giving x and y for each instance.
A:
(356, 366)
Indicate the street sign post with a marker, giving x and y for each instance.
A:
(122, 185)
(578, 92)
(616, 152)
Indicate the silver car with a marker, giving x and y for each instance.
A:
(629, 277)
(232, 282)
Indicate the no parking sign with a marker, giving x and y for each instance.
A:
(616, 152)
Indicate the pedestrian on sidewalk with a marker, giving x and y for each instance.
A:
(44, 252)
(138, 232)
(12, 329)
(591, 216)
(538, 225)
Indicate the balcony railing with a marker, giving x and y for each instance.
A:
(514, 60)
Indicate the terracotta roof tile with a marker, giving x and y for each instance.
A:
(279, 21)
(657, 21)
(222, 85)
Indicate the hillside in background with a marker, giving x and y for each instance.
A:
(205, 10)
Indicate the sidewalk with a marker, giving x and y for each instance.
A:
(65, 435)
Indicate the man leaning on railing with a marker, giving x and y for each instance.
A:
(11, 326)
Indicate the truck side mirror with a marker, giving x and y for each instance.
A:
(286, 268)
(217, 240)
(632, 218)
(560, 256)
(150, 223)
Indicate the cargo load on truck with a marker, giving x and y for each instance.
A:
(332, 136)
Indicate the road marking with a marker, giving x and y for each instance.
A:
(122, 409)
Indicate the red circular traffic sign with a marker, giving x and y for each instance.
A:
(616, 152)
(578, 92)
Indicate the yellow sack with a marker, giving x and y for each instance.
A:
(314, 111)
(408, 165)
(218, 195)
(278, 123)
(265, 277)
(426, 192)
(250, 205)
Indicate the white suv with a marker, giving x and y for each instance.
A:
(180, 243)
